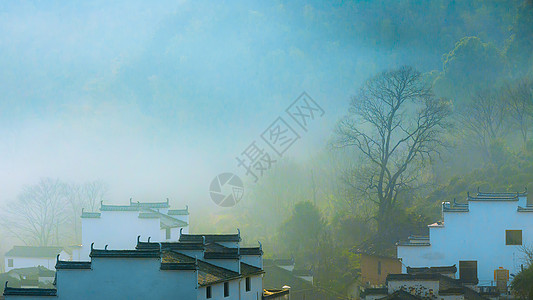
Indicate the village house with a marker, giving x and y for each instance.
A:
(376, 267)
(195, 267)
(483, 237)
(424, 283)
(33, 256)
(106, 227)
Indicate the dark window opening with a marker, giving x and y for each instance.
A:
(208, 292)
(379, 267)
(10, 263)
(248, 284)
(468, 271)
(513, 237)
(168, 233)
(226, 289)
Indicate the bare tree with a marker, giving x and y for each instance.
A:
(36, 215)
(83, 197)
(93, 193)
(397, 124)
(519, 99)
(483, 120)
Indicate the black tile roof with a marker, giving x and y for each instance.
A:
(504, 194)
(221, 255)
(134, 206)
(210, 238)
(493, 197)
(247, 270)
(411, 277)
(208, 274)
(438, 270)
(525, 209)
(146, 245)
(73, 265)
(10, 291)
(150, 204)
(125, 253)
(169, 246)
(250, 251)
(31, 251)
(179, 266)
(457, 207)
(179, 212)
(88, 215)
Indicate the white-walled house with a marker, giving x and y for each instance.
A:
(107, 227)
(33, 256)
(196, 267)
(480, 236)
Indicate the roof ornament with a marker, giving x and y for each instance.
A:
(138, 239)
(203, 239)
(5, 286)
(260, 245)
(239, 232)
(468, 195)
(105, 248)
(478, 190)
(167, 201)
(149, 239)
(187, 206)
(181, 230)
(92, 246)
(57, 258)
(130, 200)
(101, 203)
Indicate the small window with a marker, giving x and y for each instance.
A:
(379, 267)
(248, 284)
(10, 263)
(208, 292)
(513, 237)
(168, 233)
(226, 289)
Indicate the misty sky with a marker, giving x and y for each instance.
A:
(156, 98)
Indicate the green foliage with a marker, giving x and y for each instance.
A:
(470, 66)
(511, 176)
(522, 284)
(301, 232)
(520, 45)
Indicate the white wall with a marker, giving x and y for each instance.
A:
(421, 288)
(118, 229)
(256, 288)
(475, 235)
(126, 278)
(253, 260)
